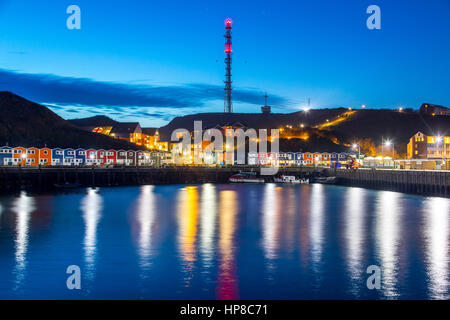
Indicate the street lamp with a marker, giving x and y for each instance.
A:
(359, 150)
(389, 143)
(439, 140)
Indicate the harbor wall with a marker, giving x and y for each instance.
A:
(13, 179)
(430, 183)
(435, 183)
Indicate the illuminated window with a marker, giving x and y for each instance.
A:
(431, 139)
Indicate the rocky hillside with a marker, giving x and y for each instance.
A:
(25, 123)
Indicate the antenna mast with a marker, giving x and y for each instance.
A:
(228, 104)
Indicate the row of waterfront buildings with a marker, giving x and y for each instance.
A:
(20, 156)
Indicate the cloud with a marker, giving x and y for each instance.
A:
(56, 90)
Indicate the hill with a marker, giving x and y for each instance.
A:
(398, 126)
(252, 120)
(25, 123)
(92, 122)
(329, 129)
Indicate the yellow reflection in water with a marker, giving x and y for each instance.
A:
(208, 222)
(354, 234)
(145, 219)
(227, 282)
(187, 220)
(388, 222)
(437, 215)
(23, 206)
(91, 206)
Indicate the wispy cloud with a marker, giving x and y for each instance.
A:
(87, 95)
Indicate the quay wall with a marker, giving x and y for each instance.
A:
(436, 183)
(430, 183)
(16, 178)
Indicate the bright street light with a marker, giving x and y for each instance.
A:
(359, 149)
(389, 143)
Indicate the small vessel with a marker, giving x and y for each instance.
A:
(325, 180)
(245, 177)
(290, 179)
(67, 185)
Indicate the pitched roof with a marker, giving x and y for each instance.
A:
(125, 128)
(149, 131)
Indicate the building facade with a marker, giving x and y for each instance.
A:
(422, 146)
(434, 110)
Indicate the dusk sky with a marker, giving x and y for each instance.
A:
(150, 61)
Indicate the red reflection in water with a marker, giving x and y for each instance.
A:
(227, 284)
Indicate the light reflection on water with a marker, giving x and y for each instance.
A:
(91, 206)
(437, 215)
(22, 207)
(227, 287)
(355, 214)
(145, 218)
(226, 242)
(269, 222)
(388, 229)
(316, 224)
(187, 230)
(208, 223)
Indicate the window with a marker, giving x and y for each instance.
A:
(45, 151)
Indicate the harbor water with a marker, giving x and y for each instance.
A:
(225, 241)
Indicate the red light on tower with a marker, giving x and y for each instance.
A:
(228, 105)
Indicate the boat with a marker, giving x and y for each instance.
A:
(67, 185)
(245, 177)
(325, 180)
(290, 179)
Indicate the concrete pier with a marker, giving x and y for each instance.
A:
(435, 183)
(432, 183)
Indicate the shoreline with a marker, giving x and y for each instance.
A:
(426, 183)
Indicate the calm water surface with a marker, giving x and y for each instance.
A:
(224, 242)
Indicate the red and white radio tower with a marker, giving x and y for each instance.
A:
(228, 105)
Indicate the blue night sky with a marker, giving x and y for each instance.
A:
(152, 60)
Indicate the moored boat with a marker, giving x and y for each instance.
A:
(245, 177)
(290, 179)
